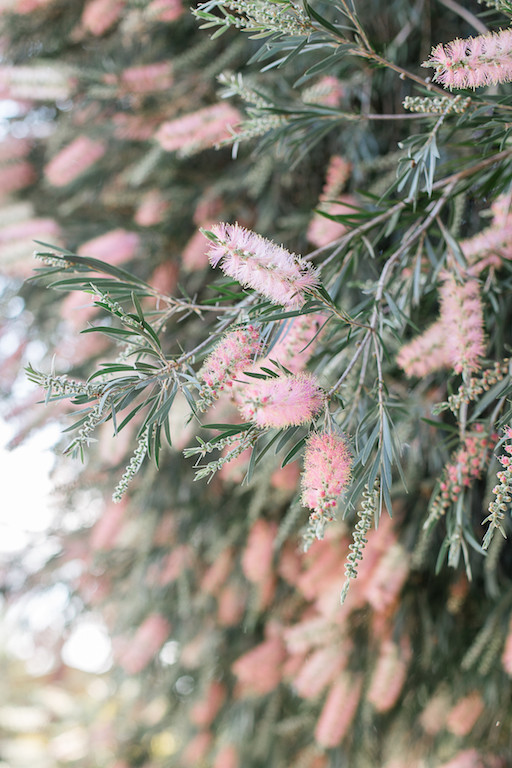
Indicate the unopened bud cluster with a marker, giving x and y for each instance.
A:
(436, 105)
(502, 492)
(133, 467)
(363, 525)
(475, 387)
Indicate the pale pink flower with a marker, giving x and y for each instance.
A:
(134, 127)
(174, 564)
(328, 91)
(148, 640)
(205, 710)
(231, 605)
(387, 578)
(296, 343)
(107, 529)
(257, 263)
(426, 353)
(198, 130)
(234, 352)
(114, 247)
(260, 670)
(216, 575)
(474, 61)
(463, 319)
(259, 551)
(16, 176)
(327, 463)
(73, 160)
(465, 713)
(11, 149)
(165, 10)
(389, 675)
(433, 717)
(470, 758)
(151, 209)
(100, 15)
(147, 78)
(227, 757)
(321, 230)
(319, 670)
(197, 749)
(194, 256)
(338, 711)
(281, 402)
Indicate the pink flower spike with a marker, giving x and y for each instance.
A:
(326, 475)
(257, 263)
(463, 319)
(473, 62)
(234, 352)
(281, 402)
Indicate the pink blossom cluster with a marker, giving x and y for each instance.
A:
(296, 343)
(15, 176)
(206, 709)
(389, 675)
(151, 209)
(147, 78)
(99, 16)
(506, 657)
(328, 91)
(463, 318)
(134, 654)
(134, 127)
(473, 62)
(165, 10)
(114, 247)
(326, 475)
(259, 551)
(456, 340)
(339, 710)
(322, 230)
(466, 464)
(23, 7)
(198, 130)
(463, 716)
(282, 401)
(17, 239)
(73, 160)
(232, 355)
(257, 263)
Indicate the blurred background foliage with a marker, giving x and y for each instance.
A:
(215, 641)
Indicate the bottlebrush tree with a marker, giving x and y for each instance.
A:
(286, 249)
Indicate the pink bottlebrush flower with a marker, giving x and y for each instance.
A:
(327, 463)
(257, 263)
(227, 757)
(426, 353)
(463, 319)
(234, 352)
(115, 247)
(100, 15)
(16, 176)
(319, 670)
(197, 749)
(465, 713)
(17, 243)
(198, 130)
(215, 576)
(338, 711)
(281, 402)
(337, 174)
(385, 583)
(232, 602)
(473, 62)
(321, 230)
(328, 91)
(23, 7)
(134, 127)
(389, 675)
(147, 78)
(208, 208)
(73, 160)
(470, 758)
(433, 717)
(12, 149)
(296, 343)
(165, 10)
(148, 640)
(204, 711)
(259, 670)
(259, 551)
(174, 564)
(151, 209)
(107, 529)
(194, 256)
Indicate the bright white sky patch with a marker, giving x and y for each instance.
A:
(88, 648)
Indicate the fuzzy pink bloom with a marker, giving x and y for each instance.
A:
(148, 640)
(134, 127)
(49, 82)
(231, 605)
(196, 750)
(198, 130)
(17, 244)
(281, 402)
(385, 583)
(326, 474)
(321, 230)
(16, 176)
(147, 78)
(204, 711)
(319, 670)
(338, 711)
(234, 352)
(468, 758)
(174, 564)
(257, 263)
(389, 675)
(433, 717)
(195, 254)
(260, 669)
(151, 209)
(473, 62)
(296, 343)
(259, 551)
(107, 529)
(165, 10)
(12, 149)
(463, 319)
(73, 160)
(426, 353)
(465, 713)
(215, 576)
(100, 15)
(328, 91)
(114, 247)
(27, 6)
(227, 757)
